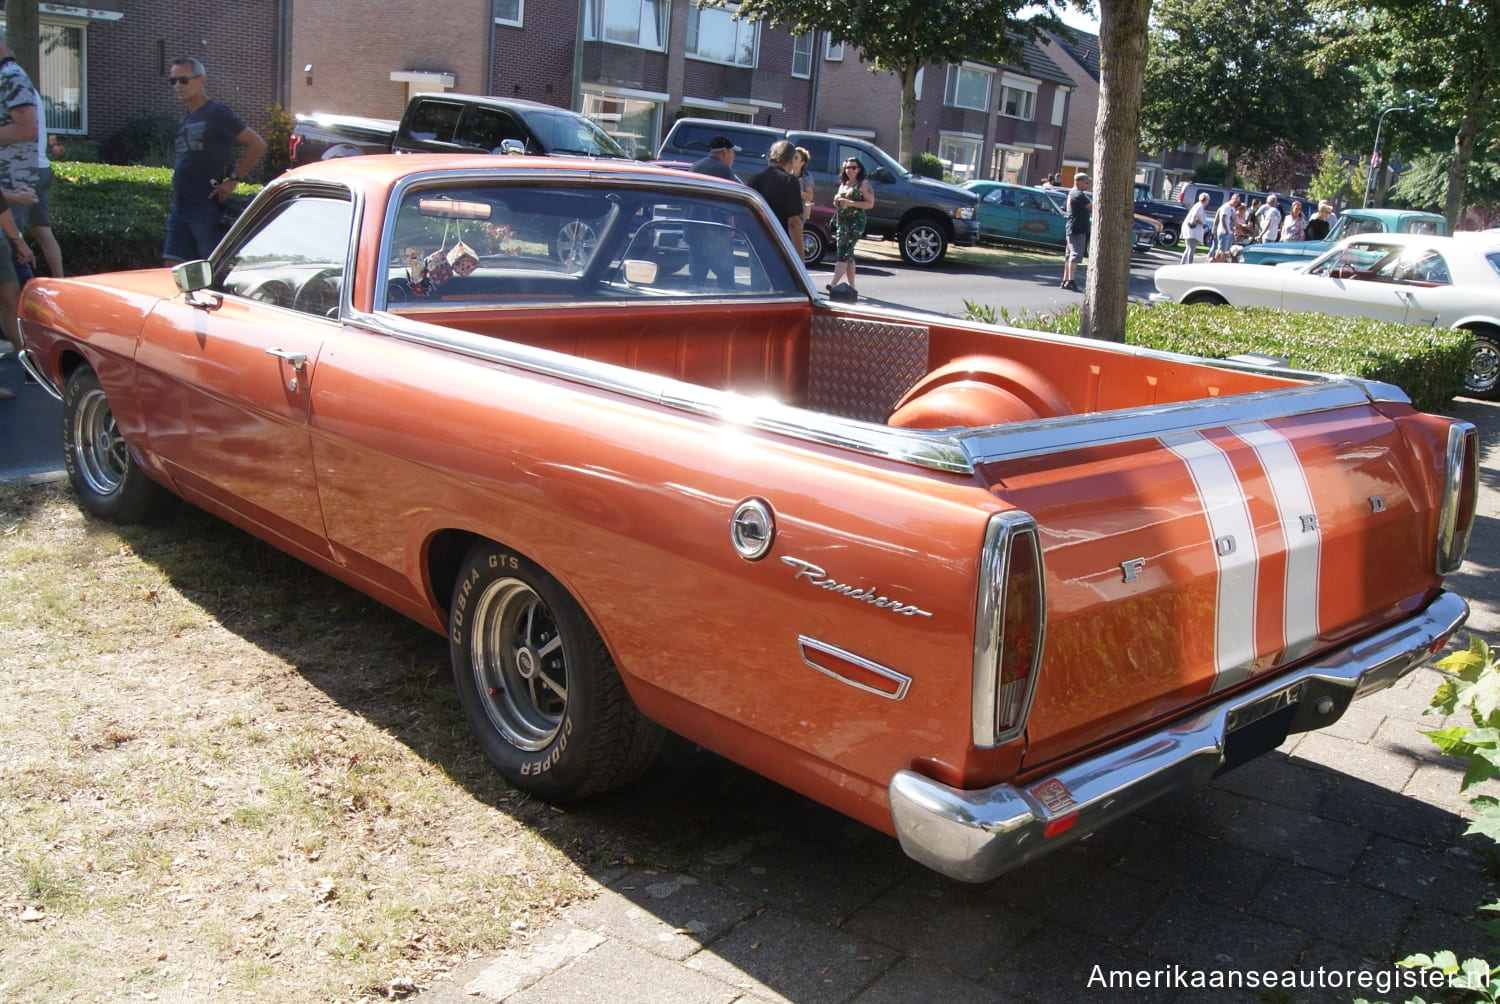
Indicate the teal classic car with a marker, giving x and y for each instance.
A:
(1349, 223)
(1017, 214)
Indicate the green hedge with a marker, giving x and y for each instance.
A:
(106, 217)
(1428, 363)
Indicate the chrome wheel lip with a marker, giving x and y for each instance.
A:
(102, 456)
(1484, 367)
(519, 664)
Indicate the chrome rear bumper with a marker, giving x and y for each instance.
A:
(975, 835)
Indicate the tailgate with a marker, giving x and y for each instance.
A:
(1186, 564)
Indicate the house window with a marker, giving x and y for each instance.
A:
(967, 88)
(631, 121)
(802, 55)
(714, 33)
(833, 51)
(61, 77)
(1010, 164)
(1017, 102)
(642, 23)
(508, 12)
(960, 157)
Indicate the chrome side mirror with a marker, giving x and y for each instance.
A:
(512, 146)
(192, 276)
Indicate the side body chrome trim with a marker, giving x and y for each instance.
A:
(975, 835)
(30, 366)
(900, 682)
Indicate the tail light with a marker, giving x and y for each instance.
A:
(1010, 625)
(1460, 497)
(293, 142)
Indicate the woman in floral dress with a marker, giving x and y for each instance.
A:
(853, 197)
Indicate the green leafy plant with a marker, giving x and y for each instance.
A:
(927, 165)
(1471, 684)
(146, 138)
(279, 126)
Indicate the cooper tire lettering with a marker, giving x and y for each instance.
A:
(537, 685)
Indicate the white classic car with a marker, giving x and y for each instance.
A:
(1407, 278)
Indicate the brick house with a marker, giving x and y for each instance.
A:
(981, 120)
(103, 64)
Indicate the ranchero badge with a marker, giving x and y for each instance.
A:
(814, 575)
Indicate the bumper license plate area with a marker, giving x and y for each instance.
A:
(1260, 727)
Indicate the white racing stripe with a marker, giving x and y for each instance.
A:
(1304, 541)
(1235, 553)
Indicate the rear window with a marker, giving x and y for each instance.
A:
(694, 139)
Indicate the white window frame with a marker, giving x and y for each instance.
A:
(953, 86)
(696, 12)
(508, 22)
(950, 143)
(833, 51)
(1027, 91)
(595, 10)
(46, 20)
(802, 49)
(998, 157)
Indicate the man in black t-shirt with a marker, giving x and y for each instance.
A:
(202, 176)
(781, 190)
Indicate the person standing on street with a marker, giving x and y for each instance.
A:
(40, 218)
(206, 137)
(1224, 224)
(777, 185)
(1077, 229)
(720, 160)
(1195, 225)
(852, 200)
(1270, 220)
(18, 172)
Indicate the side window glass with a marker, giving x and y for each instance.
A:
(295, 259)
(541, 244)
(1494, 259)
(435, 121)
(487, 128)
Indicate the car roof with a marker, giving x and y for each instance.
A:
(727, 126)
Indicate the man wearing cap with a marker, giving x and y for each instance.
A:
(712, 244)
(720, 159)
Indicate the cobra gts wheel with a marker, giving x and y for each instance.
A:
(541, 694)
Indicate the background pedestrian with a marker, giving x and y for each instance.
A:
(1077, 229)
(853, 198)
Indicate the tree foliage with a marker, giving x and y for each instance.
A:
(1444, 57)
(902, 36)
(1242, 75)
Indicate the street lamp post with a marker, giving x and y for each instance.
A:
(1375, 154)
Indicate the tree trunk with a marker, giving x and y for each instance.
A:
(22, 38)
(907, 133)
(1122, 72)
(1463, 150)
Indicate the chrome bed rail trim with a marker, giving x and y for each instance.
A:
(975, 835)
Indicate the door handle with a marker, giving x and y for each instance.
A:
(297, 359)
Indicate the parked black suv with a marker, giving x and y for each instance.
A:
(1169, 214)
(924, 216)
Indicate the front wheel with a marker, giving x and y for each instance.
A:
(541, 694)
(1483, 378)
(108, 481)
(1206, 299)
(923, 242)
(1168, 235)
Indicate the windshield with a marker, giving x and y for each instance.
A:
(562, 132)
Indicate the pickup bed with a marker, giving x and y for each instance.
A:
(453, 123)
(981, 588)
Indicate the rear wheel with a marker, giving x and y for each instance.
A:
(923, 242)
(813, 244)
(1207, 299)
(1168, 235)
(541, 694)
(1483, 378)
(108, 481)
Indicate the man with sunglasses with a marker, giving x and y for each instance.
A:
(206, 137)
